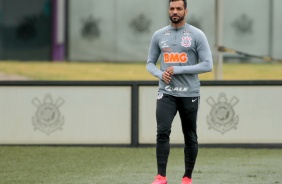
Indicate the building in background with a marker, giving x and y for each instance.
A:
(25, 30)
(120, 30)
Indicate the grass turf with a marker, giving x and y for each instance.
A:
(130, 71)
(105, 165)
(98, 165)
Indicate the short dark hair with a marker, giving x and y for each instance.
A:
(184, 1)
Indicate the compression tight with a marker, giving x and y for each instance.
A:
(167, 107)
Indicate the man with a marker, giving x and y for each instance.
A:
(184, 53)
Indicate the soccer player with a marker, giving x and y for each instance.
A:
(184, 53)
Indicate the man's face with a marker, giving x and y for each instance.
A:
(177, 11)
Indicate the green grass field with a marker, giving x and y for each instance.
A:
(129, 71)
(121, 165)
(105, 165)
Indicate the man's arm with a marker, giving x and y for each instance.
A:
(205, 57)
(153, 56)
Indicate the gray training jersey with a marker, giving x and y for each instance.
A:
(187, 49)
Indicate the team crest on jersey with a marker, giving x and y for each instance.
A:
(186, 41)
(222, 117)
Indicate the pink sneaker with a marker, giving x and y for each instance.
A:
(186, 180)
(160, 180)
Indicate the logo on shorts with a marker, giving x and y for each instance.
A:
(48, 118)
(222, 117)
(186, 41)
(160, 96)
(194, 100)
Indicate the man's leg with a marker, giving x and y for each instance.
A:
(165, 113)
(188, 109)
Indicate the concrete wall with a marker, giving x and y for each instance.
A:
(65, 115)
(228, 114)
(123, 113)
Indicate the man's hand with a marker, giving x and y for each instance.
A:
(167, 74)
(170, 70)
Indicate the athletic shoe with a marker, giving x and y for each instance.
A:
(160, 180)
(186, 180)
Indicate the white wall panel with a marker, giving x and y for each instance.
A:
(258, 109)
(103, 115)
(68, 115)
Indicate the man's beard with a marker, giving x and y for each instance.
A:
(176, 21)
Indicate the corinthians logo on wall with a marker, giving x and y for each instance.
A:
(140, 24)
(48, 118)
(222, 116)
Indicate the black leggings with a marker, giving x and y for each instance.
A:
(167, 107)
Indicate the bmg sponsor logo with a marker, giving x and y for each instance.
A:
(175, 57)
